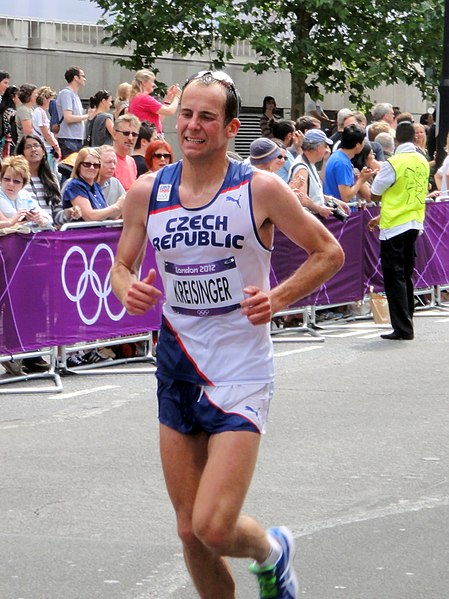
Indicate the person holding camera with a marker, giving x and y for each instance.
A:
(16, 204)
(305, 180)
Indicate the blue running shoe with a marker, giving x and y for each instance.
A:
(278, 581)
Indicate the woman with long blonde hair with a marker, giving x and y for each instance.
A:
(145, 106)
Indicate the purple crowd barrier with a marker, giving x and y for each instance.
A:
(432, 250)
(347, 284)
(362, 249)
(55, 287)
(55, 290)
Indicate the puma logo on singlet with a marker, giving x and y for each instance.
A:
(231, 199)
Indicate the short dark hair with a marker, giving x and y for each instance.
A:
(405, 132)
(351, 136)
(4, 75)
(282, 128)
(146, 132)
(71, 73)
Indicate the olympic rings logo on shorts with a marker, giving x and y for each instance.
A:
(203, 312)
(90, 279)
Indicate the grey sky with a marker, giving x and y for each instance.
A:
(83, 11)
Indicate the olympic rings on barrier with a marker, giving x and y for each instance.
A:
(90, 278)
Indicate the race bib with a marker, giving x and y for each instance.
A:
(204, 289)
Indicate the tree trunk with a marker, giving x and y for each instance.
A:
(298, 94)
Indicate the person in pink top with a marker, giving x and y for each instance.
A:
(147, 108)
(126, 131)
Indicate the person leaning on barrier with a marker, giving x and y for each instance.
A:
(16, 205)
(43, 186)
(304, 177)
(84, 191)
(340, 181)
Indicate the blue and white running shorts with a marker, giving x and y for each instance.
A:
(191, 408)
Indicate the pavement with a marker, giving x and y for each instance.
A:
(355, 462)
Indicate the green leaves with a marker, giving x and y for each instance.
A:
(342, 45)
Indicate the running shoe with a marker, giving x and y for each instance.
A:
(75, 359)
(278, 581)
(93, 357)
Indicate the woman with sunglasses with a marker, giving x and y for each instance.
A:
(158, 154)
(145, 106)
(84, 191)
(100, 126)
(16, 204)
(43, 185)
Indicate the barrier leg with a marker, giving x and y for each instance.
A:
(296, 334)
(50, 374)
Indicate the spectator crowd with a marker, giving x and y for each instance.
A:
(62, 163)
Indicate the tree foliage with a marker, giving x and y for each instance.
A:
(342, 45)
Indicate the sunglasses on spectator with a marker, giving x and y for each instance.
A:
(166, 156)
(128, 133)
(95, 165)
(280, 157)
(15, 181)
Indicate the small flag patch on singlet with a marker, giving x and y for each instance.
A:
(163, 193)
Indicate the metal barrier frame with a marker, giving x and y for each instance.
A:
(108, 365)
(52, 373)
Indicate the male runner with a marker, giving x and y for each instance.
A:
(211, 223)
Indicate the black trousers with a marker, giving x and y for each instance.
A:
(397, 256)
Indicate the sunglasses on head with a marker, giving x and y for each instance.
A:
(208, 77)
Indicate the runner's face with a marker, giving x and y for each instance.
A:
(200, 122)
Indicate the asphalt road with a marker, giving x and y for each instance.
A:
(355, 462)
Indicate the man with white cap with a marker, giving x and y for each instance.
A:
(304, 176)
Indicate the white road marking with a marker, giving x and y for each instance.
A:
(84, 392)
(297, 351)
(402, 507)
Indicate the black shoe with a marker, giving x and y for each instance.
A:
(35, 365)
(394, 336)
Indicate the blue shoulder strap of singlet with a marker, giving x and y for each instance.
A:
(163, 197)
